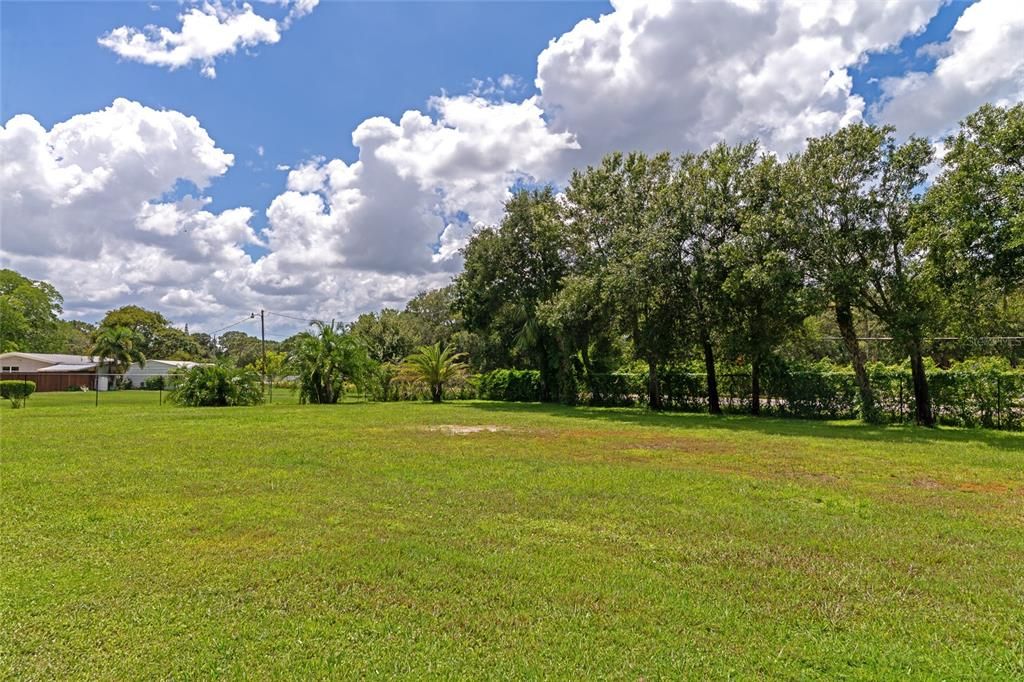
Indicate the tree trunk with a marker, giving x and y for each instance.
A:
(709, 366)
(435, 393)
(595, 393)
(922, 401)
(755, 387)
(653, 386)
(844, 318)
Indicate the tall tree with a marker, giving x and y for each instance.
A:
(973, 219)
(387, 335)
(240, 348)
(509, 274)
(900, 287)
(29, 314)
(147, 325)
(432, 317)
(706, 202)
(764, 283)
(974, 212)
(617, 237)
(832, 197)
(119, 344)
(76, 336)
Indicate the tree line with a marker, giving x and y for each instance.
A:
(729, 253)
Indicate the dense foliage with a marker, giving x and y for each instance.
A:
(434, 368)
(732, 257)
(29, 314)
(325, 360)
(979, 392)
(513, 385)
(216, 386)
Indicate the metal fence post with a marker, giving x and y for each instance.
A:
(999, 401)
(901, 398)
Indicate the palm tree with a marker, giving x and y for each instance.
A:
(325, 360)
(119, 344)
(434, 366)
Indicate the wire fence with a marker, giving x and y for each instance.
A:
(990, 399)
(107, 387)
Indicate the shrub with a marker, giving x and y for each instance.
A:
(433, 368)
(17, 391)
(156, 383)
(328, 360)
(216, 386)
(511, 385)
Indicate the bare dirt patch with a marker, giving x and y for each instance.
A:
(964, 487)
(462, 430)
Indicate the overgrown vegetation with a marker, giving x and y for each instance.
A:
(216, 386)
(325, 360)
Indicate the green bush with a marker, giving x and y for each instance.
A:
(155, 383)
(17, 391)
(510, 385)
(980, 392)
(216, 386)
(617, 389)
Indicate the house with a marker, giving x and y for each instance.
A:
(56, 371)
(137, 373)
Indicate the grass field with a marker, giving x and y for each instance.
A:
(139, 540)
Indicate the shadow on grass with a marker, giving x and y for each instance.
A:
(895, 434)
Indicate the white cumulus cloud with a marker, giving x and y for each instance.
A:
(683, 74)
(112, 206)
(982, 61)
(207, 32)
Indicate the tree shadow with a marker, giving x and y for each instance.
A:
(776, 426)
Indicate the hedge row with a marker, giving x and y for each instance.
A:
(977, 393)
(511, 385)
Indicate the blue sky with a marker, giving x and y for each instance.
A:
(106, 204)
(299, 98)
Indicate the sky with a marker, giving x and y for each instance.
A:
(324, 159)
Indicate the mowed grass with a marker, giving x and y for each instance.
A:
(380, 540)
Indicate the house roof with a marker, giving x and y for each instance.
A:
(56, 358)
(177, 363)
(68, 368)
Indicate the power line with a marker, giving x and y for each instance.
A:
(291, 317)
(252, 316)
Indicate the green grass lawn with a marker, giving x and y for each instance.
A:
(140, 540)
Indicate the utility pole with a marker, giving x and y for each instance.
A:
(263, 347)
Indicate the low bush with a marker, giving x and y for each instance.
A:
(17, 391)
(216, 386)
(510, 385)
(155, 383)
